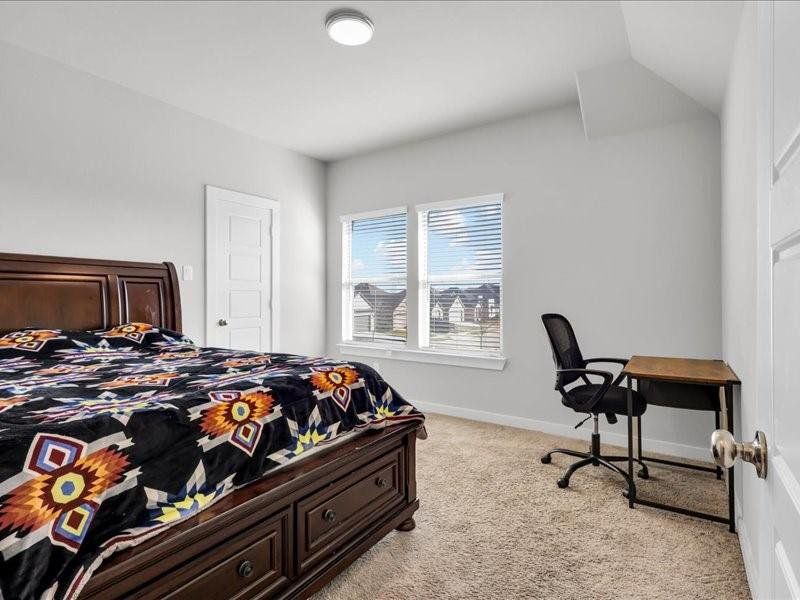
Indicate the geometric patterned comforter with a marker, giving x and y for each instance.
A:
(107, 438)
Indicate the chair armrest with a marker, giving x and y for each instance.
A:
(619, 361)
(586, 406)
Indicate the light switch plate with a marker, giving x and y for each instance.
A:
(187, 273)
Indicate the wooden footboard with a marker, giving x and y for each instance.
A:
(285, 536)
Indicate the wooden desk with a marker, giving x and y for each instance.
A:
(688, 372)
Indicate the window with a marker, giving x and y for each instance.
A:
(374, 276)
(461, 276)
(455, 288)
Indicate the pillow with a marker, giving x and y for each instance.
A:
(142, 335)
(38, 343)
(42, 343)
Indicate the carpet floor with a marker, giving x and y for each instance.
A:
(493, 524)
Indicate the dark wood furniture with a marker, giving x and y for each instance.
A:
(284, 536)
(681, 370)
(684, 383)
(80, 294)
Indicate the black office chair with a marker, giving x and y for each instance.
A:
(607, 398)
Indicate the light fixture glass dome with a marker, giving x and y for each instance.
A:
(349, 27)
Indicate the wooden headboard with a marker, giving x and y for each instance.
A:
(79, 293)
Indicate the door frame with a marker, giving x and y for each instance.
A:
(762, 545)
(213, 196)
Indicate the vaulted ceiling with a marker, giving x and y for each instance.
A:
(687, 43)
(269, 69)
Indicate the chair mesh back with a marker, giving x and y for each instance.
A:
(566, 353)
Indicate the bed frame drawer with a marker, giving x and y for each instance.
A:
(257, 562)
(278, 524)
(335, 513)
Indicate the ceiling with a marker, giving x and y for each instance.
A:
(269, 69)
(687, 43)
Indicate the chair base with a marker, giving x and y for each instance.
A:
(594, 458)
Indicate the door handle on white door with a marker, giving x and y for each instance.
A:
(726, 450)
(222, 322)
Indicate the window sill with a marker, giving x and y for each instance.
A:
(492, 363)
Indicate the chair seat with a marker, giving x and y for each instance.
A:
(615, 400)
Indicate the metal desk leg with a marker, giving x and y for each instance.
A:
(729, 424)
(639, 437)
(716, 426)
(631, 497)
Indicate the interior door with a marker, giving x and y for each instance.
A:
(783, 505)
(241, 269)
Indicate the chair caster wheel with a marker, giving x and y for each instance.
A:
(562, 483)
(643, 474)
(546, 459)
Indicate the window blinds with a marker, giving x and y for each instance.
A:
(374, 290)
(461, 270)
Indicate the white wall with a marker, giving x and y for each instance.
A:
(739, 270)
(625, 96)
(91, 169)
(620, 234)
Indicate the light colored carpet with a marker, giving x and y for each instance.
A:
(493, 524)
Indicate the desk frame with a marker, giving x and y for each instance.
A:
(633, 500)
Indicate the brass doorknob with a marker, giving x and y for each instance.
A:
(726, 450)
(222, 322)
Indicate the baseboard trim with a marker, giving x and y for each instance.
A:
(748, 552)
(610, 437)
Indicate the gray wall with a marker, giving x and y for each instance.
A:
(91, 169)
(621, 234)
(739, 254)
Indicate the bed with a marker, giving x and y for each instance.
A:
(135, 464)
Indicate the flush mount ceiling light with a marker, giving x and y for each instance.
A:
(349, 27)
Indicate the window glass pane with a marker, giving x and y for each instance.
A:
(465, 241)
(378, 247)
(379, 312)
(377, 281)
(464, 275)
(465, 317)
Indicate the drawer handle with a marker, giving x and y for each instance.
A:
(245, 569)
(329, 515)
(381, 482)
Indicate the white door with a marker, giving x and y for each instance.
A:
(241, 270)
(779, 125)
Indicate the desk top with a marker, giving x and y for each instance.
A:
(686, 370)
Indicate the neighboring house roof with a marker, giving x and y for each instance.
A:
(379, 299)
(383, 305)
(469, 296)
(360, 305)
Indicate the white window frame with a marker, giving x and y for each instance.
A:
(417, 340)
(349, 282)
(424, 281)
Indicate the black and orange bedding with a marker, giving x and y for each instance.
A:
(110, 437)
